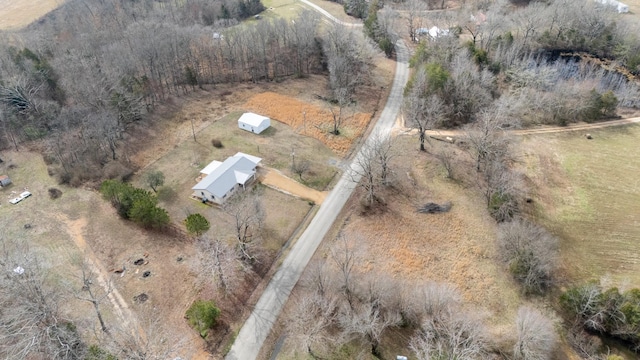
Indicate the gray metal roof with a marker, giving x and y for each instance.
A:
(224, 178)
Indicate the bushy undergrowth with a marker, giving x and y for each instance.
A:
(202, 315)
(135, 204)
(608, 312)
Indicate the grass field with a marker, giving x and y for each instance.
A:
(457, 247)
(15, 14)
(589, 195)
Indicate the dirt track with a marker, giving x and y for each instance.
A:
(400, 128)
(278, 181)
(75, 229)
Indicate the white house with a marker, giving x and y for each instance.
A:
(620, 7)
(254, 122)
(224, 178)
(434, 32)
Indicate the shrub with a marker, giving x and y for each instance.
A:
(154, 179)
(217, 143)
(502, 206)
(54, 193)
(196, 224)
(607, 312)
(202, 315)
(135, 204)
(536, 338)
(530, 252)
(96, 353)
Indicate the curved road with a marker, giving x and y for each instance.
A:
(255, 330)
(326, 14)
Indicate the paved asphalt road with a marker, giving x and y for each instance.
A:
(255, 330)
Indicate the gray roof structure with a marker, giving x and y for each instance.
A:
(234, 170)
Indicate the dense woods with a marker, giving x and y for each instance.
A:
(82, 76)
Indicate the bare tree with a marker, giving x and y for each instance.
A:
(422, 114)
(530, 252)
(490, 147)
(368, 320)
(339, 113)
(536, 336)
(320, 279)
(346, 254)
(366, 172)
(349, 57)
(450, 334)
(149, 341)
(221, 262)
(414, 10)
(31, 324)
(384, 149)
(372, 166)
(300, 167)
(447, 157)
(247, 215)
(93, 295)
(308, 324)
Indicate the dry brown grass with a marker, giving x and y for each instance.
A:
(15, 14)
(457, 247)
(310, 119)
(587, 193)
(114, 242)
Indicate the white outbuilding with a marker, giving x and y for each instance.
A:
(253, 122)
(617, 5)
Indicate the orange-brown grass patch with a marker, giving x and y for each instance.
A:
(309, 119)
(457, 247)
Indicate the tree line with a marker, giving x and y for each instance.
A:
(80, 78)
(339, 311)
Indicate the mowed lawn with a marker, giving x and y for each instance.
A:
(589, 195)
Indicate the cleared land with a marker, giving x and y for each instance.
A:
(588, 194)
(311, 120)
(59, 226)
(455, 247)
(15, 14)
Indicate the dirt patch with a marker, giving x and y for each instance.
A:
(310, 119)
(276, 180)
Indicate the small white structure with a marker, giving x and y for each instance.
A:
(620, 7)
(253, 122)
(223, 178)
(433, 32)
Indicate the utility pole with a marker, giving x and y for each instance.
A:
(193, 130)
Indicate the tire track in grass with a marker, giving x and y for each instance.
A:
(75, 229)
